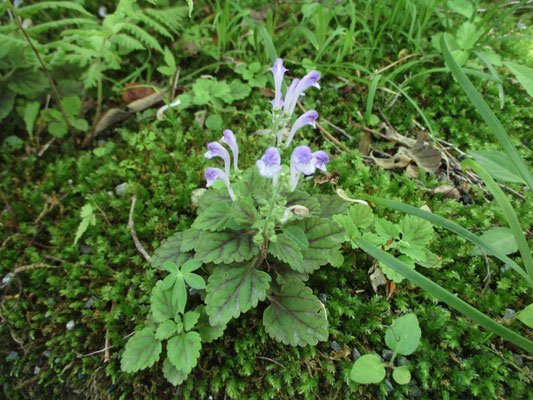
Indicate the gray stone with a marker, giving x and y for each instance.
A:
(508, 313)
(355, 354)
(335, 346)
(323, 298)
(401, 361)
(387, 354)
(121, 189)
(13, 356)
(414, 391)
(70, 325)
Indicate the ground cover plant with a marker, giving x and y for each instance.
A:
(112, 286)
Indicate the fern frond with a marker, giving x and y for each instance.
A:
(60, 23)
(51, 5)
(90, 77)
(156, 26)
(170, 17)
(142, 36)
(127, 42)
(10, 43)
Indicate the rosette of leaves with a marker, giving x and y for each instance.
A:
(408, 239)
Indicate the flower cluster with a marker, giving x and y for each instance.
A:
(302, 161)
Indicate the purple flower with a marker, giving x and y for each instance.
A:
(305, 162)
(216, 150)
(278, 70)
(212, 174)
(229, 139)
(311, 79)
(269, 165)
(307, 118)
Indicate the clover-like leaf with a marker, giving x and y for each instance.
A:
(368, 369)
(166, 330)
(416, 231)
(162, 305)
(403, 337)
(171, 249)
(183, 351)
(142, 351)
(173, 375)
(226, 247)
(214, 218)
(386, 229)
(296, 316)
(359, 216)
(234, 290)
(324, 238)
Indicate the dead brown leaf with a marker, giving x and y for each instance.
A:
(397, 161)
(425, 155)
(364, 144)
(111, 117)
(447, 191)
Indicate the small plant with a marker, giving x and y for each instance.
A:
(403, 338)
(258, 236)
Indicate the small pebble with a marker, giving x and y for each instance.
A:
(13, 356)
(508, 313)
(89, 303)
(520, 26)
(70, 325)
(505, 268)
(387, 354)
(401, 361)
(414, 391)
(389, 386)
(355, 354)
(83, 249)
(36, 370)
(323, 298)
(466, 199)
(47, 353)
(335, 346)
(121, 189)
(7, 278)
(192, 291)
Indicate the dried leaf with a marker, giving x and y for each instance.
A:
(396, 137)
(111, 117)
(364, 144)
(147, 102)
(425, 155)
(397, 161)
(447, 191)
(377, 278)
(412, 171)
(135, 91)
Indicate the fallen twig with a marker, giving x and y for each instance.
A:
(138, 244)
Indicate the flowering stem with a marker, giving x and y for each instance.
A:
(271, 211)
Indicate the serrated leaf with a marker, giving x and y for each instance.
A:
(190, 319)
(299, 197)
(462, 7)
(214, 122)
(386, 229)
(27, 82)
(7, 100)
(166, 330)
(416, 231)
(234, 290)
(162, 305)
(213, 196)
(142, 351)
(71, 105)
(324, 237)
(403, 337)
(391, 274)
(239, 90)
(213, 218)
(171, 249)
(31, 111)
(183, 351)
(467, 35)
(401, 375)
(58, 129)
(244, 213)
(206, 330)
(331, 205)
(173, 375)
(225, 247)
(296, 316)
(431, 260)
(287, 250)
(253, 184)
(190, 239)
(368, 369)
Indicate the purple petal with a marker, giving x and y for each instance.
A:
(320, 160)
(291, 97)
(216, 150)
(307, 118)
(302, 160)
(269, 165)
(311, 79)
(212, 174)
(229, 139)
(278, 70)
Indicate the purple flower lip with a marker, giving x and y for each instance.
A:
(307, 118)
(215, 149)
(303, 161)
(278, 70)
(213, 174)
(229, 138)
(320, 160)
(269, 165)
(298, 89)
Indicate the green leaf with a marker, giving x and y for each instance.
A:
(214, 218)
(386, 229)
(31, 111)
(162, 305)
(498, 165)
(467, 35)
(500, 238)
(190, 238)
(297, 235)
(299, 197)
(173, 375)
(166, 330)
(27, 82)
(324, 237)
(7, 101)
(403, 337)
(523, 74)
(190, 319)
(206, 330)
(239, 90)
(183, 351)
(87, 218)
(368, 369)
(331, 205)
(526, 315)
(71, 105)
(171, 249)
(462, 7)
(58, 128)
(142, 351)
(222, 91)
(79, 124)
(416, 231)
(244, 213)
(225, 247)
(253, 184)
(234, 290)
(393, 275)
(213, 122)
(287, 250)
(13, 143)
(401, 375)
(202, 91)
(296, 317)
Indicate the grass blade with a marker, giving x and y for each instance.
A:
(444, 295)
